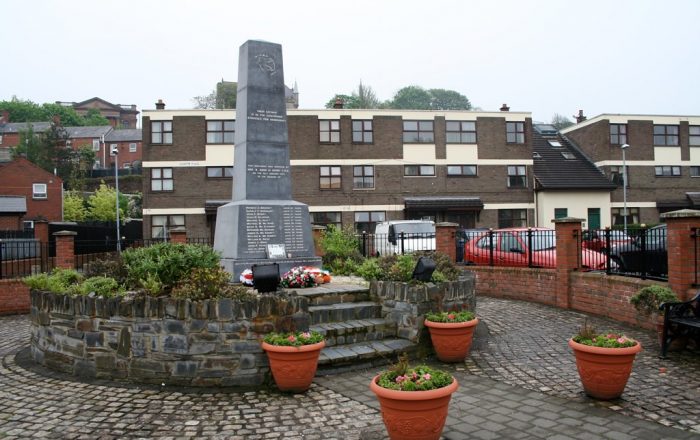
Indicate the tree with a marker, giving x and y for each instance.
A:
(28, 111)
(93, 117)
(74, 207)
(101, 204)
(560, 122)
(348, 101)
(411, 97)
(362, 97)
(448, 100)
(223, 96)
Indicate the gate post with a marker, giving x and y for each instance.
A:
(682, 251)
(446, 239)
(568, 233)
(65, 249)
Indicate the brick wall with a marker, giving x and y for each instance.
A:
(14, 297)
(11, 222)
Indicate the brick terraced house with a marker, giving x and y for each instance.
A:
(662, 160)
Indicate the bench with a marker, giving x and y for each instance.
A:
(681, 319)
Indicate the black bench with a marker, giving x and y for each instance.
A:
(681, 319)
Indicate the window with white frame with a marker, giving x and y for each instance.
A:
(39, 191)
(161, 225)
(95, 145)
(221, 132)
(161, 179)
(329, 131)
(460, 132)
(419, 170)
(667, 171)
(517, 176)
(461, 170)
(132, 147)
(618, 217)
(161, 132)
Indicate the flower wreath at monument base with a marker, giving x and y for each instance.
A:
(297, 277)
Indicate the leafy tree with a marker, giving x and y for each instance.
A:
(101, 204)
(74, 207)
(443, 99)
(362, 97)
(28, 111)
(223, 96)
(560, 122)
(411, 97)
(29, 145)
(93, 117)
(348, 101)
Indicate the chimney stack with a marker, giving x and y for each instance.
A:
(4, 117)
(505, 108)
(580, 117)
(339, 103)
(160, 105)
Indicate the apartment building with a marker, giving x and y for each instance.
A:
(662, 159)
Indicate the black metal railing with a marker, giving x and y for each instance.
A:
(512, 248)
(27, 233)
(695, 233)
(23, 257)
(372, 245)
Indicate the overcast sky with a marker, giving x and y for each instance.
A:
(545, 57)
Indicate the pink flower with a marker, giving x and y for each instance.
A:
(427, 376)
(400, 379)
(414, 375)
(291, 338)
(622, 340)
(306, 335)
(451, 316)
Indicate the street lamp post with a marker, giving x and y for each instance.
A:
(114, 152)
(624, 186)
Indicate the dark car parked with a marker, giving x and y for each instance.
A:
(646, 254)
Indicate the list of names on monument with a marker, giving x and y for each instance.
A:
(260, 227)
(268, 171)
(293, 226)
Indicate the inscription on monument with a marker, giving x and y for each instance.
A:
(266, 115)
(268, 171)
(293, 227)
(260, 227)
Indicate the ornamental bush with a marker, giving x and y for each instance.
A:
(420, 378)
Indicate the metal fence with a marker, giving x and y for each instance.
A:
(696, 253)
(27, 233)
(512, 248)
(372, 245)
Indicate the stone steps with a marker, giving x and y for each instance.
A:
(341, 312)
(360, 355)
(360, 330)
(326, 294)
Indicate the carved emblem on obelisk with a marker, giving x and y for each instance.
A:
(266, 63)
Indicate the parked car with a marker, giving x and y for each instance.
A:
(465, 235)
(512, 247)
(404, 236)
(596, 239)
(647, 253)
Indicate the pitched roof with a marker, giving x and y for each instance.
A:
(88, 132)
(124, 134)
(560, 165)
(10, 204)
(16, 127)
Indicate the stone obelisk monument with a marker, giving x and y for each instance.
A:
(262, 224)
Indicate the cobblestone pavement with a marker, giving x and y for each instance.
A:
(520, 382)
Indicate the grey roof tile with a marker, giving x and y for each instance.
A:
(13, 204)
(124, 135)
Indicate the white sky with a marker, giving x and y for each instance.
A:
(546, 57)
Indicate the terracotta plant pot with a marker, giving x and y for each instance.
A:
(293, 368)
(414, 415)
(604, 371)
(452, 340)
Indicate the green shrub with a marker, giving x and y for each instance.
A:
(648, 299)
(99, 286)
(370, 270)
(341, 250)
(58, 281)
(160, 267)
(208, 283)
(402, 270)
(107, 267)
(400, 267)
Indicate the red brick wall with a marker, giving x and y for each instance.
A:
(14, 297)
(16, 179)
(598, 294)
(11, 222)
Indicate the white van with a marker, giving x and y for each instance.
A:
(404, 236)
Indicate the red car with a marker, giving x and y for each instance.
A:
(596, 240)
(510, 248)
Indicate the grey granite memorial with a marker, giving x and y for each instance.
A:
(262, 224)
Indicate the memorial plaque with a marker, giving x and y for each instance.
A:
(262, 212)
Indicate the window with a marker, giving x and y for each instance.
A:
(326, 218)
(460, 132)
(219, 172)
(418, 132)
(132, 148)
(512, 218)
(161, 179)
(28, 225)
(693, 135)
(665, 135)
(161, 132)
(220, 132)
(618, 218)
(419, 170)
(694, 171)
(618, 134)
(95, 145)
(39, 191)
(329, 131)
(461, 170)
(517, 177)
(362, 132)
(616, 175)
(126, 165)
(330, 177)
(363, 176)
(161, 225)
(0, 139)
(561, 212)
(667, 171)
(366, 221)
(515, 132)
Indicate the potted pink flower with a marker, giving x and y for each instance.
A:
(451, 333)
(293, 358)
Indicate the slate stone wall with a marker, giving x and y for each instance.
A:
(161, 340)
(407, 304)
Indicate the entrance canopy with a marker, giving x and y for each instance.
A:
(444, 203)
